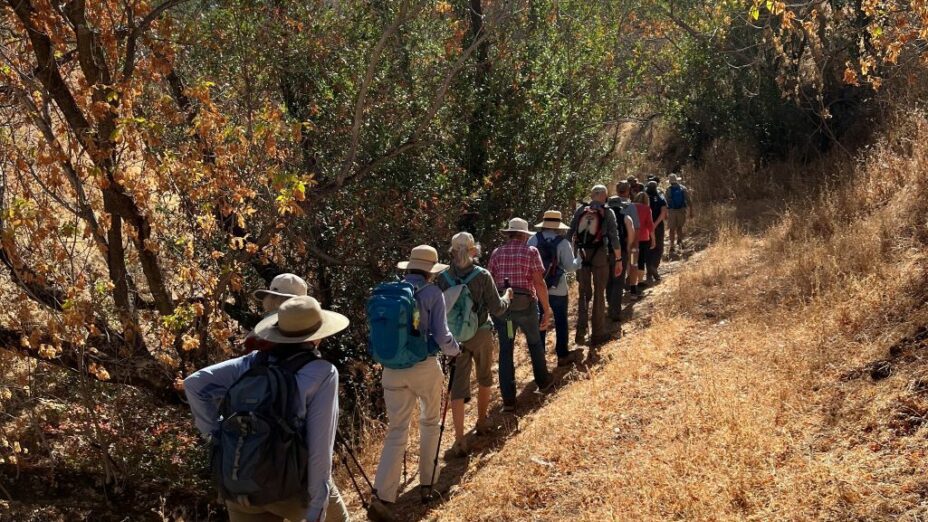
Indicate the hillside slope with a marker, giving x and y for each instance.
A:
(779, 377)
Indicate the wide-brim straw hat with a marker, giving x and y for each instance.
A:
(284, 285)
(518, 225)
(424, 258)
(552, 220)
(298, 320)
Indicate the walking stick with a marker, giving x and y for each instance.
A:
(441, 429)
(346, 449)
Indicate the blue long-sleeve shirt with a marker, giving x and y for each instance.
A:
(432, 317)
(317, 383)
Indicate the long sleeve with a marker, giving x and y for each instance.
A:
(565, 257)
(321, 424)
(612, 230)
(438, 325)
(206, 388)
(496, 305)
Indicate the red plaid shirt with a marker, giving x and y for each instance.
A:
(518, 262)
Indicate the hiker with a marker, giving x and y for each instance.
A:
(627, 216)
(593, 230)
(646, 242)
(659, 215)
(518, 266)
(679, 209)
(282, 287)
(475, 298)
(558, 259)
(412, 373)
(261, 473)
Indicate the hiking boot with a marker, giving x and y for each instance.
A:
(580, 338)
(657, 278)
(378, 511)
(509, 405)
(485, 427)
(426, 494)
(600, 339)
(547, 385)
(457, 451)
(573, 356)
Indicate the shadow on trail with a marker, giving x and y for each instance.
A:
(409, 507)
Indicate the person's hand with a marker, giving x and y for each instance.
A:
(179, 383)
(547, 319)
(618, 268)
(509, 293)
(653, 242)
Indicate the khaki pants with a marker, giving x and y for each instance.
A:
(292, 510)
(402, 389)
(676, 220)
(593, 278)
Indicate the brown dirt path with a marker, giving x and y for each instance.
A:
(483, 448)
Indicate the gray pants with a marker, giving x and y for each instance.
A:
(615, 289)
(657, 253)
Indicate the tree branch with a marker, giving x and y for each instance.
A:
(361, 103)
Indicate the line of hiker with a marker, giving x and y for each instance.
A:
(271, 415)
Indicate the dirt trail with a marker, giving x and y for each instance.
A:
(483, 448)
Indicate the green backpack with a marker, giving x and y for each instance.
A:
(459, 306)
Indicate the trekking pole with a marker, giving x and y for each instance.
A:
(441, 430)
(347, 449)
(364, 503)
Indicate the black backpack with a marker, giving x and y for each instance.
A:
(548, 250)
(261, 454)
(618, 208)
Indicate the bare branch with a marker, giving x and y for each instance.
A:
(361, 103)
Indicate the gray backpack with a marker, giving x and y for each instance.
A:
(260, 456)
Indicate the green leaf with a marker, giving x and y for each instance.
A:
(755, 12)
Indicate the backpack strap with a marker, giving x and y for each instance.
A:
(293, 360)
(472, 275)
(447, 277)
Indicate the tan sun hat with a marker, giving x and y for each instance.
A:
(424, 258)
(298, 320)
(284, 285)
(553, 220)
(518, 225)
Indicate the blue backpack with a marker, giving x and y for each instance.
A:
(676, 197)
(548, 250)
(260, 456)
(395, 340)
(460, 308)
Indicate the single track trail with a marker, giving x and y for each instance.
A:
(483, 449)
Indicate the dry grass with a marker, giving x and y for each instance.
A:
(754, 393)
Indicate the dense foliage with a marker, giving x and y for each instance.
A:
(161, 160)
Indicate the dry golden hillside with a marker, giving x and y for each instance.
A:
(780, 375)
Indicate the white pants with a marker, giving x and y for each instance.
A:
(401, 389)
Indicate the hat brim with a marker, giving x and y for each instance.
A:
(529, 232)
(425, 266)
(547, 226)
(261, 294)
(332, 323)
